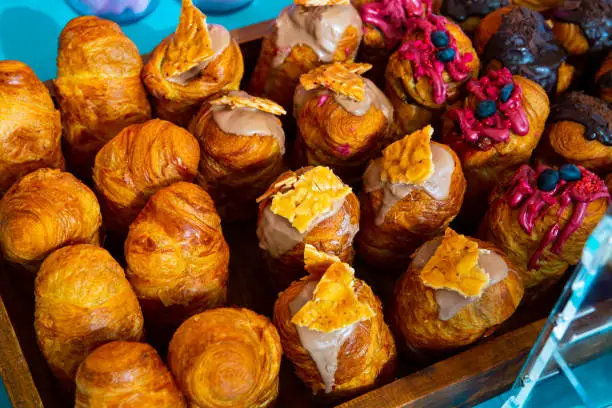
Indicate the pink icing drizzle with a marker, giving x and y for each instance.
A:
(510, 115)
(422, 54)
(534, 203)
(390, 16)
(322, 100)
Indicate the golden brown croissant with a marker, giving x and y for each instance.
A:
(308, 206)
(46, 210)
(302, 38)
(83, 300)
(542, 217)
(242, 145)
(176, 255)
(98, 87)
(332, 329)
(428, 71)
(579, 131)
(30, 129)
(455, 291)
(139, 161)
(128, 375)
(603, 79)
(226, 357)
(409, 195)
(583, 26)
(494, 131)
(343, 119)
(519, 39)
(197, 61)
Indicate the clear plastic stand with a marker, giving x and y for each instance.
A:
(571, 363)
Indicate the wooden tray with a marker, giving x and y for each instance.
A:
(467, 378)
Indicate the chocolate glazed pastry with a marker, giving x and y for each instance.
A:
(603, 79)
(304, 36)
(519, 39)
(583, 25)
(579, 132)
(469, 13)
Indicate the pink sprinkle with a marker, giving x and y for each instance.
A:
(344, 150)
(322, 100)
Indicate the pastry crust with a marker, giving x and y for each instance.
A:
(334, 235)
(31, 128)
(278, 82)
(83, 300)
(98, 88)
(413, 99)
(46, 210)
(126, 374)
(411, 221)
(366, 359)
(179, 102)
(603, 79)
(226, 357)
(139, 161)
(414, 310)
(177, 258)
(235, 169)
(484, 169)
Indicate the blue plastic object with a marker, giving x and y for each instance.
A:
(120, 11)
(221, 6)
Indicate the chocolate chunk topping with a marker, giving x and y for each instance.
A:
(594, 18)
(525, 44)
(460, 10)
(591, 112)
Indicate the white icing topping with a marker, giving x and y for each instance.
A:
(322, 347)
(220, 39)
(451, 302)
(437, 185)
(321, 28)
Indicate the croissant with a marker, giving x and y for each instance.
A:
(46, 210)
(140, 160)
(304, 36)
(332, 329)
(177, 258)
(242, 145)
(128, 375)
(494, 131)
(541, 219)
(409, 195)
(83, 300)
(308, 206)
(195, 62)
(580, 132)
(584, 26)
(384, 25)
(428, 70)
(455, 291)
(342, 119)
(603, 79)
(30, 129)
(519, 39)
(227, 357)
(98, 88)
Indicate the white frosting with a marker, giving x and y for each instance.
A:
(451, 302)
(220, 39)
(322, 347)
(437, 185)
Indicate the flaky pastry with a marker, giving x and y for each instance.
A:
(603, 79)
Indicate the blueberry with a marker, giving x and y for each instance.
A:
(548, 179)
(485, 109)
(505, 92)
(439, 39)
(569, 172)
(445, 55)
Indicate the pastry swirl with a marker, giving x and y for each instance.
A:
(45, 210)
(139, 161)
(226, 357)
(31, 126)
(583, 26)
(177, 258)
(126, 374)
(83, 300)
(98, 88)
(195, 62)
